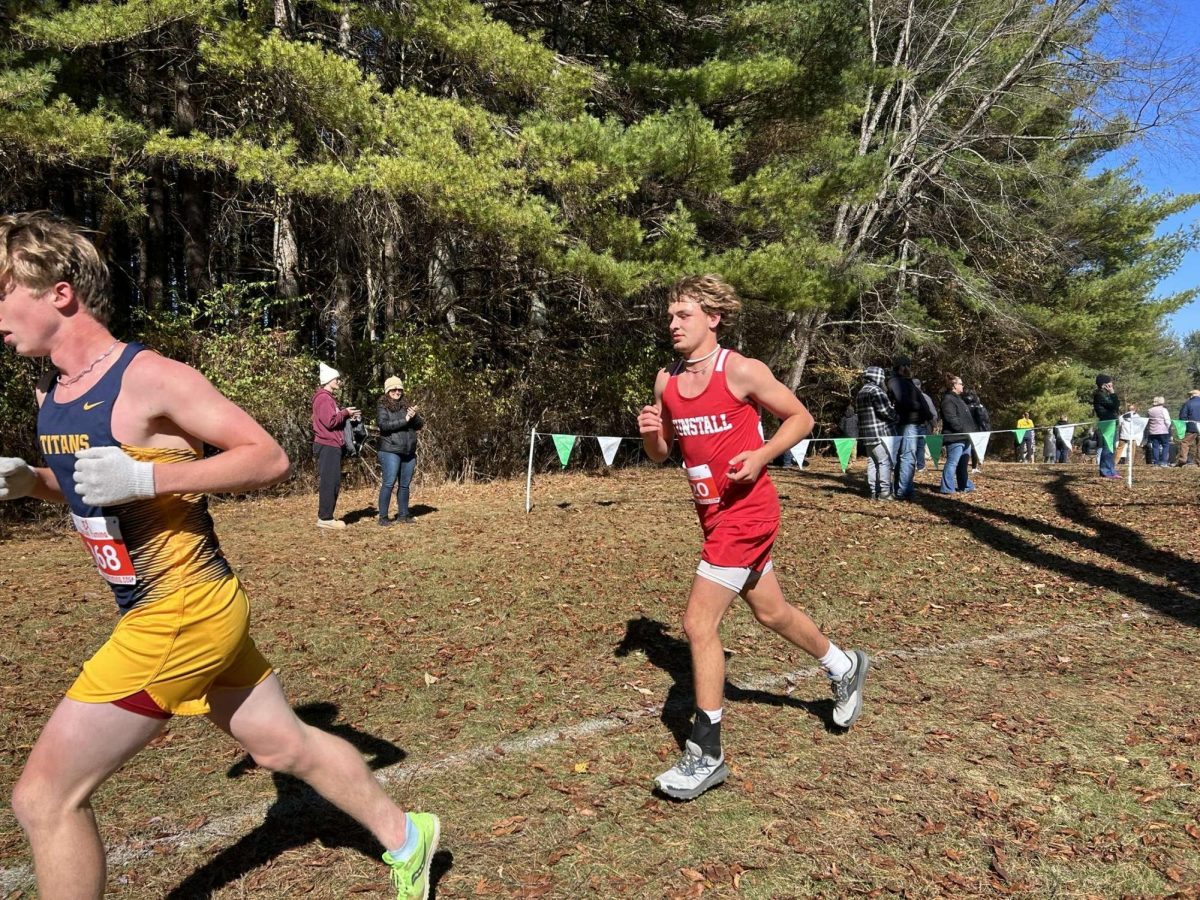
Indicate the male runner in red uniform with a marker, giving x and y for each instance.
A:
(710, 401)
(121, 430)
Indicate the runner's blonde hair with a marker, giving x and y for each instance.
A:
(38, 250)
(713, 293)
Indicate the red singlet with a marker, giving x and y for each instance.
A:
(739, 520)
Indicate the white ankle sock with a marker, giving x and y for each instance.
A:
(836, 662)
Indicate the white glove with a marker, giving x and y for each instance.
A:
(17, 479)
(108, 476)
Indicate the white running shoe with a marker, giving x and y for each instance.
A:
(848, 690)
(694, 774)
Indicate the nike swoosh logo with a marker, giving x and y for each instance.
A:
(89, 406)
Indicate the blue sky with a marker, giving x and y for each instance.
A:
(1170, 160)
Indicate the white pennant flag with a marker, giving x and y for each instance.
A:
(1135, 427)
(800, 451)
(608, 446)
(979, 440)
(1065, 433)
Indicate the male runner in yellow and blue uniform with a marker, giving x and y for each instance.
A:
(121, 429)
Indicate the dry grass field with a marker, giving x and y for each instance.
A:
(1032, 726)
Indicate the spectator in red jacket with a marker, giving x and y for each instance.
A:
(328, 420)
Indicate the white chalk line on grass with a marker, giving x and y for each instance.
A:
(18, 877)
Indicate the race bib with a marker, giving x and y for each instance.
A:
(102, 537)
(704, 487)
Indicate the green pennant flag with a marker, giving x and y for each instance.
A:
(933, 443)
(844, 447)
(1180, 427)
(1020, 433)
(564, 444)
(1108, 432)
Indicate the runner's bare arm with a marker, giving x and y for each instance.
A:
(750, 379)
(170, 397)
(656, 432)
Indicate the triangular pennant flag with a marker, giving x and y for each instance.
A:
(1135, 427)
(894, 443)
(844, 447)
(979, 440)
(1108, 431)
(1065, 433)
(933, 443)
(1020, 434)
(800, 451)
(564, 444)
(1180, 427)
(608, 446)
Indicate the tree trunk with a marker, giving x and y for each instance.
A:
(445, 294)
(194, 188)
(800, 340)
(286, 252)
(153, 244)
(343, 317)
(283, 16)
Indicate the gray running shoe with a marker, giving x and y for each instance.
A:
(694, 774)
(848, 690)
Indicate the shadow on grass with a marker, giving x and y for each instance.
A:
(672, 655)
(1178, 596)
(300, 816)
(357, 515)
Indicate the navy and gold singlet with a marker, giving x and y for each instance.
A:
(145, 549)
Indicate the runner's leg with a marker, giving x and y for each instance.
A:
(261, 720)
(707, 605)
(81, 745)
(765, 598)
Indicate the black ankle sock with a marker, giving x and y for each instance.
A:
(707, 735)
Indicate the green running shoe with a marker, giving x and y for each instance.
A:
(410, 877)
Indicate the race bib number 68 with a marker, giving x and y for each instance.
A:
(102, 537)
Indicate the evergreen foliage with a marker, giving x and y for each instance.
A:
(488, 198)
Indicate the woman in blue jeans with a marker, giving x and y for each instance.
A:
(398, 427)
(957, 425)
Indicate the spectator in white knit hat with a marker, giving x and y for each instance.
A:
(328, 420)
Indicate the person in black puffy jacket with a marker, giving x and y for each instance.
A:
(398, 426)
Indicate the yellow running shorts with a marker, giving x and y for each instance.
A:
(177, 649)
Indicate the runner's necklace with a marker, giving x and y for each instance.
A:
(700, 359)
(99, 359)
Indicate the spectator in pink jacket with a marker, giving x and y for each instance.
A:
(328, 420)
(1158, 428)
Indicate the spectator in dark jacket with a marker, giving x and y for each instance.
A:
(1190, 413)
(849, 428)
(911, 418)
(398, 427)
(1107, 406)
(932, 421)
(957, 423)
(876, 415)
(983, 421)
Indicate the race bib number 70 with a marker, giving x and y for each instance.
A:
(704, 486)
(102, 537)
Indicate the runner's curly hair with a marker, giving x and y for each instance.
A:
(38, 250)
(713, 293)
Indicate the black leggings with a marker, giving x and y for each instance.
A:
(329, 468)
